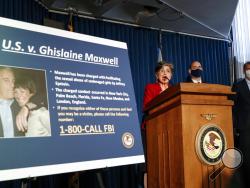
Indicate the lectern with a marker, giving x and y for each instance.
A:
(188, 127)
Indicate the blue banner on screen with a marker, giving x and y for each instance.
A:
(67, 102)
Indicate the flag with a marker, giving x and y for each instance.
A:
(159, 55)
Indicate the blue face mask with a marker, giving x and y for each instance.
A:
(196, 73)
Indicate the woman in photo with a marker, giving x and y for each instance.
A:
(38, 119)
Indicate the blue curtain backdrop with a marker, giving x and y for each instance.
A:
(143, 44)
(181, 50)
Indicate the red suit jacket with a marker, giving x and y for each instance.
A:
(151, 91)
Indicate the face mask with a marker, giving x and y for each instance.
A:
(247, 74)
(196, 73)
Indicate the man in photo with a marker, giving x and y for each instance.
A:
(8, 107)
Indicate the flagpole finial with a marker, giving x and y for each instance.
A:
(71, 12)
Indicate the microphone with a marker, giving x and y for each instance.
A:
(166, 77)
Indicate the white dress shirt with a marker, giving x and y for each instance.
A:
(197, 81)
(6, 118)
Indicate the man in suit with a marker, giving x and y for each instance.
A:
(8, 107)
(195, 72)
(241, 114)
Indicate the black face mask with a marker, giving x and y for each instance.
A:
(196, 73)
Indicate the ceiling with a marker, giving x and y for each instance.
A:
(211, 18)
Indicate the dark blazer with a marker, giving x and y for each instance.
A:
(241, 115)
(14, 109)
(188, 79)
(241, 108)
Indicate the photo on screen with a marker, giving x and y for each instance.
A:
(23, 103)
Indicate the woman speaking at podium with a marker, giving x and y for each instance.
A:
(163, 74)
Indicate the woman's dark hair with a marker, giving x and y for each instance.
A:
(26, 83)
(162, 64)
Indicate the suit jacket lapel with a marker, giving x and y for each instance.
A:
(15, 109)
(246, 90)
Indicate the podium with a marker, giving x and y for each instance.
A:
(174, 121)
